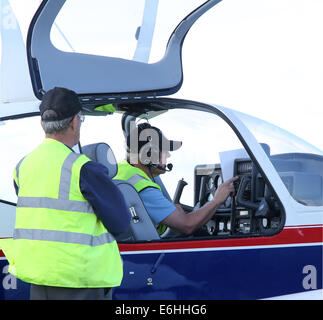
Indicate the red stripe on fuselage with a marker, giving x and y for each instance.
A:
(301, 235)
(289, 235)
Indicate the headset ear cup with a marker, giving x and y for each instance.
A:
(154, 154)
(145, 154)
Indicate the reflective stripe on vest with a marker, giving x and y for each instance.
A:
(63, 236)
(135, 179)
(58, 204)
(17, 170)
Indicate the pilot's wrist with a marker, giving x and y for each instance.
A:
(216, 203)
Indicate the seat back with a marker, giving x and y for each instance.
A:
(141, 226)
(102, 153)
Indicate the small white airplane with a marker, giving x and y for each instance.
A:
(264, 243)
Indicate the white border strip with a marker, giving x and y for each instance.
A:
(304, 227)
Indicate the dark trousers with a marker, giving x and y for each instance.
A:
(38, 292)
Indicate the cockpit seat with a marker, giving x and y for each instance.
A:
(102, 153)
(141, 226)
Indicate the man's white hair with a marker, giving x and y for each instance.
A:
(55, 127)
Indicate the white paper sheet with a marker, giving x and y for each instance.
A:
(227, 160)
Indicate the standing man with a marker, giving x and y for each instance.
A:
(68, 210)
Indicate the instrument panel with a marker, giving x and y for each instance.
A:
(252, 210)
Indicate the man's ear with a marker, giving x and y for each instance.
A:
(74, 123)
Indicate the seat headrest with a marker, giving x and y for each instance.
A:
(102, 153)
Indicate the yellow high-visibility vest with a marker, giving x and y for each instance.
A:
(135, 176)
(58, 239)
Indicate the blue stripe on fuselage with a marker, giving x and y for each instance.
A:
(222, 274)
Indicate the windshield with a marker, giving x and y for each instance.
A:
(299, 164)
(279, 140)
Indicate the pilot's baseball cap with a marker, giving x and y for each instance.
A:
(64, 102)
(146, 133)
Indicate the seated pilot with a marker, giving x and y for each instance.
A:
(147, 153)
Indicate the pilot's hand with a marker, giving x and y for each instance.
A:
(179, 208)
(225, 190)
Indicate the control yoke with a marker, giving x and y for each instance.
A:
(261, 208)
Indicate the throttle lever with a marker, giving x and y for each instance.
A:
(179, 190)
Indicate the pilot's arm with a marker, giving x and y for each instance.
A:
(188, 223)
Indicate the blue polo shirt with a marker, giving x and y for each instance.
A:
(156, 204)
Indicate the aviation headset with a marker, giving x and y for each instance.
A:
(149, 149)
